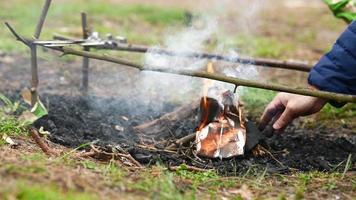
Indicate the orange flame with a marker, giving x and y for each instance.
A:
(207, 82)
(206, 85)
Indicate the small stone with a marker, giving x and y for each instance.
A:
(119, 128)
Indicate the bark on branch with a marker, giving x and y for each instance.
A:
(194, 73)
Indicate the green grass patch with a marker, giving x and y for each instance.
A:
(10, 126)
(159, 184)
(255, 100)
(267, 47)
(330, 112)
(129, 20)
(23, 190)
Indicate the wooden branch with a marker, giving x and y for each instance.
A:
(235, 81)
(189, 168)
(39, 141)
(253, 61)
(201, 55)
(182, 141)
(115, 155)
(170, 119)
(34, 75)
(42, 19)
(33, 48)
(17, 36)
(194, 73)
(85, 66)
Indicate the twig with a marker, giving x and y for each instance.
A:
(17, 36)
(42, 18)
(85, 67)
(347, 165)
(39, 141)
(182, 141)
(272, 156)
(127, 156)
(34, 75)
(33, 47)
(189, 168)
(157, 126)
(154, 149)
(235, 81)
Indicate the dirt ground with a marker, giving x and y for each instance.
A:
(306, 26)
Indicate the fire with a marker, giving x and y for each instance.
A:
(221, 131)
(208, 82)
(204, 103)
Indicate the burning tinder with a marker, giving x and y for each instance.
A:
(221, 132)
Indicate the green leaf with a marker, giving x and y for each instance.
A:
(39, 109)
(341, 11)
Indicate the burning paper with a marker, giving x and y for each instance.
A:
(221, 132)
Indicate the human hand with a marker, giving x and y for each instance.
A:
(285, 107)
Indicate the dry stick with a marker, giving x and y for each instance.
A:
(128, 156)
(34, 75)
(33, 48)
(158, 125)
(202, 55)
(85, 67)
(182, 141)
(42, 18)
(236, 81)
(154, 149)
(217, 77)
(189, 168)
(39, 141)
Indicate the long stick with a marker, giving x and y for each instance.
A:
(42, 18)
(85, 67)
(33, 48)
(201, 74)
(254, 61)
(236, 81)
(202, 55)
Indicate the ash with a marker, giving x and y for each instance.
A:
(74, 121)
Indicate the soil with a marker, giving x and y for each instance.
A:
(108, 116)
(73, 121)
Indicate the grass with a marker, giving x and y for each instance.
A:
(64, 18)
(29, 172)
(259, 46)
(25, 190)
(9, 125)
(255, 100)
(155, 182)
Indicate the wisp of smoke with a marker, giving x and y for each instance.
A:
(159, 87)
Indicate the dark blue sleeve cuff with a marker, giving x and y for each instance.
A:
(336, 70)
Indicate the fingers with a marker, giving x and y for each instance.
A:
(268, 131)
(272, 110)
(286, 118)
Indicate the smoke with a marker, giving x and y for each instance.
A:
(206, 29)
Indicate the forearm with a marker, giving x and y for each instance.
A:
(336, 70)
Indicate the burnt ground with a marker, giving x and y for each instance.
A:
(73, 121)
(107, 117)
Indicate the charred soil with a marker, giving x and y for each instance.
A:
(74, 121)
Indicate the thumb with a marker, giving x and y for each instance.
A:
(286, 117)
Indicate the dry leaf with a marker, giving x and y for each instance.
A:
(26, 95)
(8, 140)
